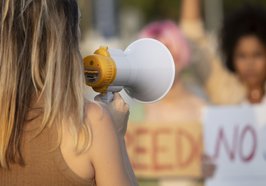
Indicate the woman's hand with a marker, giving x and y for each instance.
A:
(119, 111)
(208, 166)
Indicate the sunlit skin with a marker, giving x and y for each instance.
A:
(250, 65)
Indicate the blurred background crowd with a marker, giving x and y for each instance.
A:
(219, 49)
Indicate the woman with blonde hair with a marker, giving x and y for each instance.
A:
(49, 133)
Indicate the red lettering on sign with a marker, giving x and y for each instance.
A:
(159, 149)
(237, 143)
(140, 150)
(222, 140)
(181, 136)
(252, 132)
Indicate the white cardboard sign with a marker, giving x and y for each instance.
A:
(235, 137)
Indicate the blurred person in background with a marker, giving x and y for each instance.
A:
(49, 133)
(180, 105)
(243, 48)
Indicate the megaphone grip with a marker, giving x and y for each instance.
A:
(107, 97)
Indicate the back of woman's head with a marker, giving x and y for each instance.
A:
(39, 55)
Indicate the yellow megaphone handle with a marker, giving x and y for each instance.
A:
(103, 51)
(100, 70)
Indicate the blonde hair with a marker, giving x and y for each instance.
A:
(39, 55)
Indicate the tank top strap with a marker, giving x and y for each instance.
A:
(61, 164)
(64, 169)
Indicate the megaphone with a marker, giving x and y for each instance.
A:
(145, 70)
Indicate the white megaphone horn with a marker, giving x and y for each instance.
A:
(145, 70)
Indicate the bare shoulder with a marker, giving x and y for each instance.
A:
(96, 115)
(102, 127)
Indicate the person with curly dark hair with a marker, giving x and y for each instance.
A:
(238, 74)
(243, 43)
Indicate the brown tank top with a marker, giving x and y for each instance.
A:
(44, 164)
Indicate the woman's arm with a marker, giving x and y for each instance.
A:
(108, 153)
(126, 161)
(190, 10)
(206, 61)
(191, 21)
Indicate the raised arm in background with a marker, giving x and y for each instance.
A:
(206, 59)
